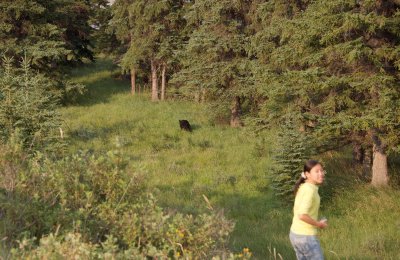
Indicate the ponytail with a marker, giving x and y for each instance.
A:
(300, 181)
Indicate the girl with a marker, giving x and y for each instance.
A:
(303, 232)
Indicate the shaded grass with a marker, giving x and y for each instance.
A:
(101, 82)
(229, 166)
(364, 224)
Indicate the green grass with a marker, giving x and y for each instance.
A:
(364, 224)
(227, 165)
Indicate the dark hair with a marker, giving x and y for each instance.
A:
(308, 165)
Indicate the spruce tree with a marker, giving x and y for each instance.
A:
(24, 29)
(336, 63)
(102, 36)
(28, 109)
(149, 30)
(215, 61)
(52, 33)
(292, 149)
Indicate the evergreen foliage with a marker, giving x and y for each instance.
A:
(215, 67)
(292, 149)
(102, 37)
(334, 64)
(338, 59)
(52, 32)
(28, 112)
(148, 29)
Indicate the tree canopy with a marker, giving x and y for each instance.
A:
(332, 65)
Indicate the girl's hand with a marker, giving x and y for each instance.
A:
(323, 223)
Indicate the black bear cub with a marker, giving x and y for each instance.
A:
(184, 124)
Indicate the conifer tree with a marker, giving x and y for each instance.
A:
(336, 64)
(25, 30)
(52, 32)
(149, 29)
(215, 62)
(27, 107)
(102, 37)
(292, 150)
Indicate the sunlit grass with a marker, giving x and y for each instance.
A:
(227, 166)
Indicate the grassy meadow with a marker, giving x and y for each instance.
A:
(228, 166)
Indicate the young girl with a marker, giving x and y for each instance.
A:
(303, 232)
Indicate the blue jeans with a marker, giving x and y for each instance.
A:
(306, 247)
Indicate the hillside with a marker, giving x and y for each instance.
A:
(229, 166)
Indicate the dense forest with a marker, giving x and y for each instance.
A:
(331, 66)
(270, 83)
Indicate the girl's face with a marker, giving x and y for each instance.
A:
(316, 175)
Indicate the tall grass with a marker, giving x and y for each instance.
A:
(363, 224)
(229, 166)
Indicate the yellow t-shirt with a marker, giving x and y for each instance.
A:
(306, 202)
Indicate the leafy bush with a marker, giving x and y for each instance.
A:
(72, 246)
(92, 198)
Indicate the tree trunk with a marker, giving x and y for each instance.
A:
(235, 113)
(133, 81)
(368, 157)
(380, 175)
(197, 96)
(154, 82)
(203, 95)
(358, 153)
(163, 82)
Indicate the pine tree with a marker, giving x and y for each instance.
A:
(336, 64)
(102, 37)
(52, 32)
(291, 151)
(215, 62)
(24, 29)
(27, 107)
(149, 29)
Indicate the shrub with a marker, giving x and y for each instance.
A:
(92, 198)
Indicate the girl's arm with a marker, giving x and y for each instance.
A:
(309, 220)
